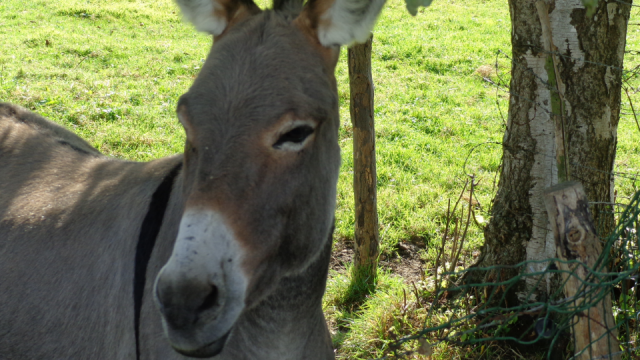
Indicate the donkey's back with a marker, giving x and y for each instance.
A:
(64, 274)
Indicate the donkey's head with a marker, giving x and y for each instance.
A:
(261, 160)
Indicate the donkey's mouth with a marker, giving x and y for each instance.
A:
(209, 350)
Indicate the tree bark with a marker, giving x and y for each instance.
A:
(566, 75)
(594, 330)
(364, 164)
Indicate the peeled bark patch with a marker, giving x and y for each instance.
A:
(576, 241)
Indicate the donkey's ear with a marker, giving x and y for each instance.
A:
(340, 22)
(215, 16)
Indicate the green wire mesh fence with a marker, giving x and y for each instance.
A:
(478, 314)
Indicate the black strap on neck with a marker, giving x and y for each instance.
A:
(146, 241)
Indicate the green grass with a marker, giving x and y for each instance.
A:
(113, 71)
(427, 98)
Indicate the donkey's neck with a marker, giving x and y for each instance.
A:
(289, 324)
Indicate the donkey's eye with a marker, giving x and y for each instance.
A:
(294, 136)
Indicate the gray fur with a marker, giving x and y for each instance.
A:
(70, 217)
(68, 227)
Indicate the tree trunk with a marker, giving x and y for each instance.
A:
(566, 75)
(364, 164)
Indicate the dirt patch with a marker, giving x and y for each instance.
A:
(341, 256)
(486, 71)
(406, 261)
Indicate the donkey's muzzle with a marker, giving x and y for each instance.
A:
(195, 315)
(200, 291)
(183, 306)
(208, 350)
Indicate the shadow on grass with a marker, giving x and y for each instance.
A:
(362, 285)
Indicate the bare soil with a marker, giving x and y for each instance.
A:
(405, 262)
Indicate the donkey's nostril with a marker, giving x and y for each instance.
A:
(211, 300)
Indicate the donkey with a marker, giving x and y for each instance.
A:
(222, 250)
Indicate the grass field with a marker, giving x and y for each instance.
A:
(113, 71)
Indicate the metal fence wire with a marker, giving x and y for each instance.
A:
(474, 319)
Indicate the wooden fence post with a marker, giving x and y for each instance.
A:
(594, 330)
(364, 164)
